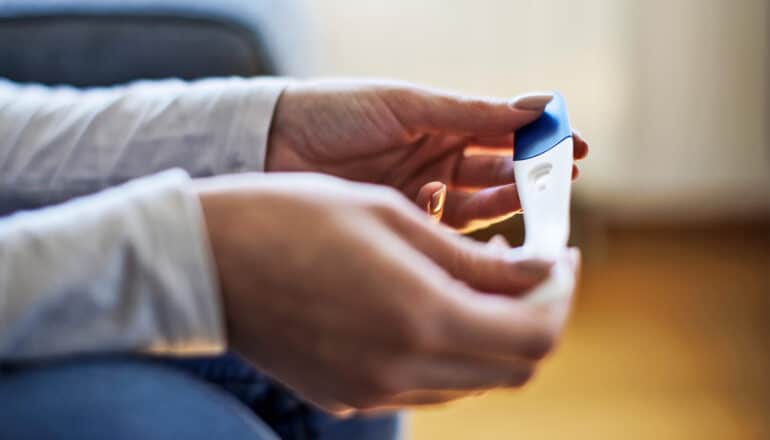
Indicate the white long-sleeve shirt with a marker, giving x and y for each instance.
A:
(126, 268)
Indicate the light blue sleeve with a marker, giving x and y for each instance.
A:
(129, 267)
(61, 142)
(126, 269)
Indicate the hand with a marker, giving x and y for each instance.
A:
(355, 299)
(410, 138)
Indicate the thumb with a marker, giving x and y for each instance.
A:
(470, 116)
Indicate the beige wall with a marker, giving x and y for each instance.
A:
(671, 93)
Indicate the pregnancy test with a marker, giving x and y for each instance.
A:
(542, 165)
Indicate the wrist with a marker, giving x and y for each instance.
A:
(223, 206)
(281, 151)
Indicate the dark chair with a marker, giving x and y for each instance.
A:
(105, 42)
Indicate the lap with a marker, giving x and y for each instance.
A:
(119, 399)
(129, 398)
(284, 412)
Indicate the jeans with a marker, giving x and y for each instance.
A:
(152, 398)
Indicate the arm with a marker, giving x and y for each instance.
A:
(126, 269)
(57, 143)
(343, 291)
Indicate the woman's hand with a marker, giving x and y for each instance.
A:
(351, 296)
(410, 138)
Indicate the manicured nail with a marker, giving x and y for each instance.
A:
(534, 102)
(437, 201)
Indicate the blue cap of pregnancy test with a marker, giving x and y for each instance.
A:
(545, 132)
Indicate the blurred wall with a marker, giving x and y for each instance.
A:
(672, 94)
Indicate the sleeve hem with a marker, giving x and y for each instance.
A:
(247, 146)
(199, 326)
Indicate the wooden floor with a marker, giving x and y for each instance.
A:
(669, 339)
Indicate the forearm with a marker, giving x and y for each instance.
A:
(56, 143)
(126, 269)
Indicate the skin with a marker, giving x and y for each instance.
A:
(349, 293)
(406, 137)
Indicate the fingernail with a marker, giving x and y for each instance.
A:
(532, 102)
(437, 201)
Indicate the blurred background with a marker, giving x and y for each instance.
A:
(670, 336)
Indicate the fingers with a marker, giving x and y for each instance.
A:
(478, 172)
(433, 378)
(580, 146)
(488, 162)
(484, 268)
(468, 211)
(504, 142)
(502, 146)
(436, 111)
(495, 325)
(466, 373)
(488, 325)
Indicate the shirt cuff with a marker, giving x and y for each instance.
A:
(195, 322)
(127, 269)
(250, 130)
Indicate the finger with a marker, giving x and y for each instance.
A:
(503, 145)
(484, 268)
(465, 373)
(466, 320)
(501, 141)
(429, 110)
(494, 325)
(468, 211)
(580, 146)
(478, 172)
(431, 198)
(498, 326)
